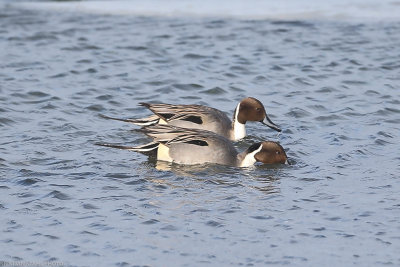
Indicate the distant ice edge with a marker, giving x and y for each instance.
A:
(360, 10)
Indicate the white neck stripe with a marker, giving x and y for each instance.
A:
(239, 129)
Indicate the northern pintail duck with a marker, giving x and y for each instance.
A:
(207, 118)
(194, 146)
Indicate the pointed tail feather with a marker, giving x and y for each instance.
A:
(151, 120)
(142, 149)
(162, 132)
(147, 105)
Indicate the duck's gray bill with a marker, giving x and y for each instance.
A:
(270, 124)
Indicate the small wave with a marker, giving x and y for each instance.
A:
(214, 91)
(151, 221)
(81, 48)
(332, 117)
(190, 86)
(134, 48)
(28, 181)
(59, 195)
(96, 107)
(298, 113)
(5, 121)
(89, 206)
(194, 56)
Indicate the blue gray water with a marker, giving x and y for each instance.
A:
(334, 88)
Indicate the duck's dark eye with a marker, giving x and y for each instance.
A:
(258, 109)
(278, 152)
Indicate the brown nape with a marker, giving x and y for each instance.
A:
(271, 153)
(251, 109)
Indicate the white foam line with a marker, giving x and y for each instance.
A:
(243, 9)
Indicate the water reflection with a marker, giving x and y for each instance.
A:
(262, 178)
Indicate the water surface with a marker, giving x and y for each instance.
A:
(332, 86)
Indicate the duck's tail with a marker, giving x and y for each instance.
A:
(147, 121)
(145, 149)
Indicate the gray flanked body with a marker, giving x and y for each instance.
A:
(218, 150)
(206, 118)
(194, 146)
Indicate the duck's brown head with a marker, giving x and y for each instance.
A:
(251, 109)
(266, 152)
(271, 153)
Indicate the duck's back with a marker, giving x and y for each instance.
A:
(194, 116)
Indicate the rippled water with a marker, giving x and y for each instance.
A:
(332, 86)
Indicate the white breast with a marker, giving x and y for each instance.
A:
(163, 153)
(250, 159)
